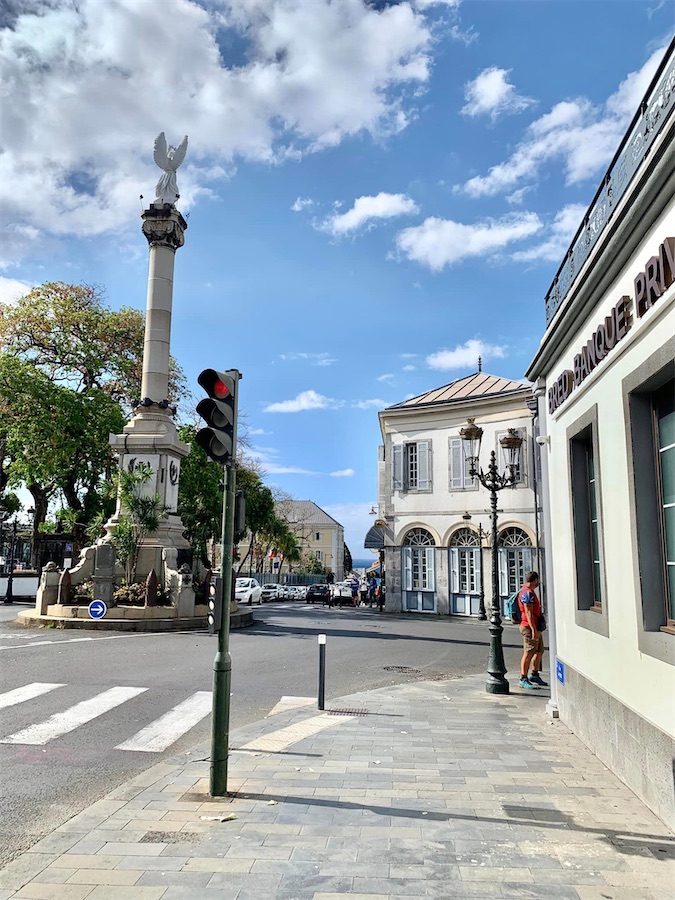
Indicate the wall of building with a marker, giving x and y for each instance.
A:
(441, 511)
(620, 692)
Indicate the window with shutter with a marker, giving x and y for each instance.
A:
(423, 465)
(397, 467)
(459, 466)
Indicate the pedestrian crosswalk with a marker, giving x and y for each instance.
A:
(156, 736)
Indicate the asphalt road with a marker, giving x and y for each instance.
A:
(74, 703)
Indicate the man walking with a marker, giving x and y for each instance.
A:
(530, 628)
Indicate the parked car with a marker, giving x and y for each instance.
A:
(247, 590)
(318, 592)
(270, 592)
(341, 594)
(299, 592)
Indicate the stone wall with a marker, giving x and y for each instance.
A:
(638, 752)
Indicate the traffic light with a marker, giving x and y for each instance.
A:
(220, 413)
(215, 604)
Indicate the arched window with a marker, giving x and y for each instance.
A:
(514, 537)
(419, 537)
(465, 537)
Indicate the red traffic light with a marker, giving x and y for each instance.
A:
(220, 390)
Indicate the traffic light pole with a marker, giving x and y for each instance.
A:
(222, 664)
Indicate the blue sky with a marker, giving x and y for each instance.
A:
(378, 193)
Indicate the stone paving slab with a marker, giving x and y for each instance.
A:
(439, 791)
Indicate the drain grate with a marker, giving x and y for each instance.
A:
(405, 670)
(347, 712)
(171, 837)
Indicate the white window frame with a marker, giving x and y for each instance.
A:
(403, 478)
(458, 467)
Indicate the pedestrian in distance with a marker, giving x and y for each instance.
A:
(532, 623)
(363, 591)
(372, 587)
(355, 591)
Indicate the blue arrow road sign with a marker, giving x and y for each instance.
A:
(97, 609)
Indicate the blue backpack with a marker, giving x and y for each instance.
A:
(513, 608)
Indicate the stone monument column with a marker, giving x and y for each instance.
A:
(151, 438)
(164, 227)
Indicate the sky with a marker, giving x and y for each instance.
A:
(378, 193)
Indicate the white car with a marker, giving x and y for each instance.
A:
(271, 592)
(300, 592)
(247, 590)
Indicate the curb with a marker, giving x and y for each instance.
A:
(30, 619)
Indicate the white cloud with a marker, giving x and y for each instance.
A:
(258, 431)
(304, 401)
(267, 457)
(560, 234)
(316, 359)
(583, 136)
(517, 197)
(386, 377)
(491, 93)
(437, 243)
(465, 356)
(375, 403)
(343, 473)
(103, 79)
(302, 203)
(11, 289)
(409, 368)
(408, 355)
(366, 210)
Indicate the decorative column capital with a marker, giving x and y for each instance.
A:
(164, 226)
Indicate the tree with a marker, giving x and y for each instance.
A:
(348, 563)
(139, 517)
(69, 369)
(200, 495)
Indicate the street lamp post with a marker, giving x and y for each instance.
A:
(494, 481)
(9, 593)
(482, 615)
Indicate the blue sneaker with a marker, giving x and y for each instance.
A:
(536, 678)
(527, 684)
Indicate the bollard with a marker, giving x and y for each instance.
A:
(322, 670)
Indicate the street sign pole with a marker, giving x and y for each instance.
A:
(222, 664)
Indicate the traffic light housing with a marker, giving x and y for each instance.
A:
(219, 411)
(214, 601)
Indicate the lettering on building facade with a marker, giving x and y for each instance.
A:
(650, 285)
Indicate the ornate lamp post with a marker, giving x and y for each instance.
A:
(9, 593)
(493, 481)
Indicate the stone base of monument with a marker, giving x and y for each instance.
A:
(59, 603)
(126, 618)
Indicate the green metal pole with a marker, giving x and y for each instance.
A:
(222, 664)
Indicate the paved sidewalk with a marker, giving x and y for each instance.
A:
(429, 789)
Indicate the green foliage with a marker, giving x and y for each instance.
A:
(347, 561)
(140, 517)
(200, 495)
(69, 367)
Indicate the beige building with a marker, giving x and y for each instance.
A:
(318, 534)
(437, 546)
(605, 375)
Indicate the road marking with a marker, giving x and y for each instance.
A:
(288, 702)
(107, 637)
(27, 692)
(279, 740)
(163, 732)
(61, 723)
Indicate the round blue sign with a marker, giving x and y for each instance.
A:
(97, 609)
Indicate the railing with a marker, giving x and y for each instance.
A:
(654, 111)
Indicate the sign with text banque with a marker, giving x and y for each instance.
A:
(649, 286)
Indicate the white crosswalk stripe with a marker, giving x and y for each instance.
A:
(63, 722)
(27, 692)
(166, 730)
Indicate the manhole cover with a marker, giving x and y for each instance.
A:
(347, 712)
(405, 670)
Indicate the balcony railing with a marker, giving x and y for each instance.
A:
(654, 111)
